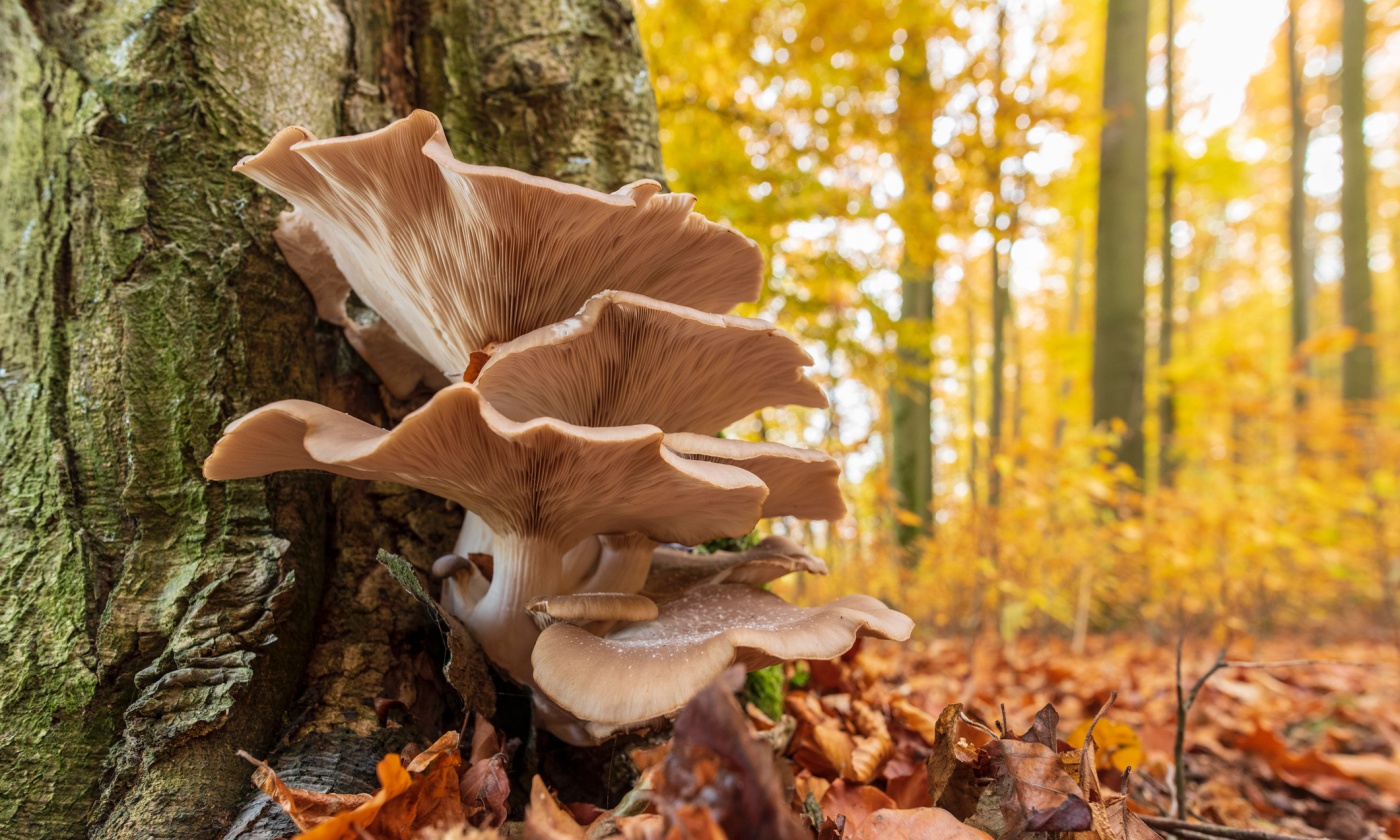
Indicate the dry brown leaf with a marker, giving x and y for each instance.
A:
(1112, 818)
(916, 824)
(916, 719)
(393, 780)
(546, 819)
(855, 802)
(1309, 770)
(1041, 796)
(306, 808)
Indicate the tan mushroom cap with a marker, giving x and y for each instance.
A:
(397, 364)
(626, 358)
(544, 477)
(801, 482)
(674, 570)
(657, 666)
(457, 257)
(595, 606)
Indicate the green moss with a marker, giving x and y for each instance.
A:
(764, 688)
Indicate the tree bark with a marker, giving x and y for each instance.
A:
(153, 622)
(1119, 333)
(1358, 363)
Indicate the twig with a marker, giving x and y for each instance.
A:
(1184, 702)
(1182, 828)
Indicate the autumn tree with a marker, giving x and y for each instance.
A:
(153, 622)
(1119, 331)
(1299, 264)
(1166, 402)
(1358, 364)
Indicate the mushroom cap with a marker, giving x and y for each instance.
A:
(674, 571)
(801, 482)
(457, 256)
(626, 358)
(641, 671)
(544, 477)
(398, 366)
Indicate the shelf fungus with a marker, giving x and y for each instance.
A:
(541, 486)
(583, 360)
(458, 257)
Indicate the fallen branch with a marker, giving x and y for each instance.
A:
(1185, 829)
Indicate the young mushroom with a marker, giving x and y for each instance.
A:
(657, 666)
(458, 257)
(675, 570)
(541, 486)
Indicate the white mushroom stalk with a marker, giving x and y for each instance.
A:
(541, 486)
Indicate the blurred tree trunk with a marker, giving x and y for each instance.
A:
(1001, 292)
(1358, 364)
(1119, 333)
(911, 392)
(154, 623)
(1166, 401)
(1299, 264)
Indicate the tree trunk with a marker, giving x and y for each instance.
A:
(911, 412)
(1166, 401)
(1119, 342)
(1298, 263)
(153, 622)
(1358, 363)
(911, 392)
(1001, 290)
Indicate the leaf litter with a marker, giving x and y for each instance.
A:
(896, 742)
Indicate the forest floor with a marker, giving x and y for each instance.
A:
(1282, 738)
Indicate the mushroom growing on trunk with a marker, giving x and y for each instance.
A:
(542, 486)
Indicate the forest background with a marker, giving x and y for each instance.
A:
(945, 189)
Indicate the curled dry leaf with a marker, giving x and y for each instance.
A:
(872, 750)
(715, 760)
(306, 808)
(952, 784)
(1041, 796)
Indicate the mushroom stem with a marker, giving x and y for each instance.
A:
(476, 537)
(623, 565)
(527, 566)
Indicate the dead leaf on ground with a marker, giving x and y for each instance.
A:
(917, 824)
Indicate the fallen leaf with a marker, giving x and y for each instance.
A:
(306, 808)
(855, 802)
(546, 819)
(1041, 796)
(917, 824)
(1117, 742)
(393, 780)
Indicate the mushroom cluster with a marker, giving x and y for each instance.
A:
(582, 365)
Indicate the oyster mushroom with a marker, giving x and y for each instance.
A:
(801, 482)
(541, 486)
(457, 257)
(626, 358)
(675, 570)
(695, 637)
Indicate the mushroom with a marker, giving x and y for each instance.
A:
(457, 257)
(398, 366)
(541, 486)
(675, 570)
(696, 636)
(801, 482)
(626, 358)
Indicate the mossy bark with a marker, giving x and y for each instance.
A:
(153, 623)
